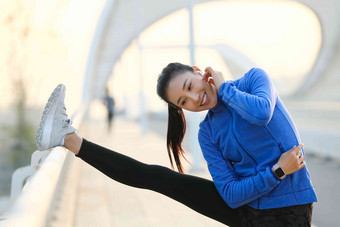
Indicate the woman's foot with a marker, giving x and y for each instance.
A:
(54, 124)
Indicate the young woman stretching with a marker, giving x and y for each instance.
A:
(245, 131)
(197, 193)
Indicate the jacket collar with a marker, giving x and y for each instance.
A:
(218, 107)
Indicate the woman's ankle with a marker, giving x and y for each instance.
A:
(73, 142)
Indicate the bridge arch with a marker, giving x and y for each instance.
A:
(117, 28)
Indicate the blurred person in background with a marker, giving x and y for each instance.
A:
(110, 105)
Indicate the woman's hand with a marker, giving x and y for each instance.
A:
(213, 77)
(292, 160)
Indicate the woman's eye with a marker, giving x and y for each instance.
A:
(183, 102)
(189, 87)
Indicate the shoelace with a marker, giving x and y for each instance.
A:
(67, 123)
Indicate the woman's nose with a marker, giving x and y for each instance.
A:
(194, 97)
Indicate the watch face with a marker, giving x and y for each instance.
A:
(279, 172)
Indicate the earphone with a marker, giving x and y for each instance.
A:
(196, 69)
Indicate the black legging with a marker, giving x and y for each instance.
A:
(197, 193)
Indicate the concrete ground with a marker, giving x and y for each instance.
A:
(104, 202)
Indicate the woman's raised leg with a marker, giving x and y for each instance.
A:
(197, 193)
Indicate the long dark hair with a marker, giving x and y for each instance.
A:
(176, 118)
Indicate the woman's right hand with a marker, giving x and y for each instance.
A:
(213, 77)
(292, 160)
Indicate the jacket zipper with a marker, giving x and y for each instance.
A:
(244, 149)
(236, 138)
(277, 142)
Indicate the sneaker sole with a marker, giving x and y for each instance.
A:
(46, 123)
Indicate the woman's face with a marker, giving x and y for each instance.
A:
(188, 91)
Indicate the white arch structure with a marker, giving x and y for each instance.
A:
(122, 21)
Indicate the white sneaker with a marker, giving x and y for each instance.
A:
(54, 124)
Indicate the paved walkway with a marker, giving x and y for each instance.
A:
(319, 126)
(104, 202)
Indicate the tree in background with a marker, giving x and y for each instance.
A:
(17, 134)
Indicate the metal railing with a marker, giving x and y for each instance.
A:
(35, 187)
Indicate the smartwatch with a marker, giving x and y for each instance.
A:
(278, 172)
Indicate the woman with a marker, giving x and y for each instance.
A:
(199, 194)
(244, 133)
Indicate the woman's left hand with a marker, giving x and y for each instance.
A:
(292, 160)
(213, 77)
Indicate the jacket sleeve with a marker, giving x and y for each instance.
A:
(235, 192)
(256, 104)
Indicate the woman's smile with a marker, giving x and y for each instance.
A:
(205, 100)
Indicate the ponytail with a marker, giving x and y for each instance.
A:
(176, 119)
(176, 131)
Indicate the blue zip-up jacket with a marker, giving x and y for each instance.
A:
(243, 136)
